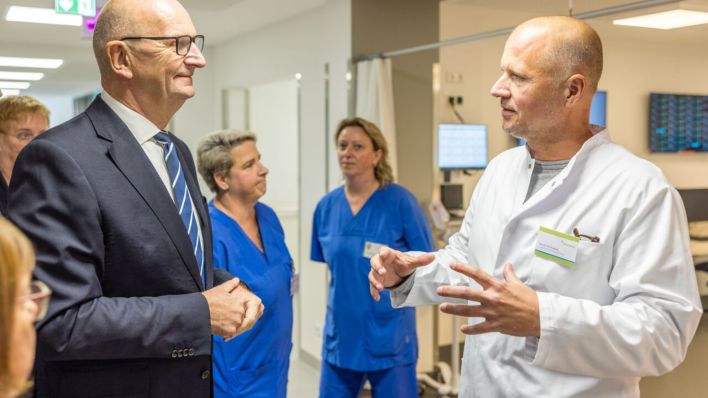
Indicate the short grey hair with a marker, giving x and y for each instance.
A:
(214, 153)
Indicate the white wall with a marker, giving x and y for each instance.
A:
(61, 107)
(303, 44)
(277, 141)
(200, 115)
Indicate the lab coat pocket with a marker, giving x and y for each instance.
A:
(592, 267)
(387, 336)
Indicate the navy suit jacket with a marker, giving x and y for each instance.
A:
(3, 196)
(127, 317)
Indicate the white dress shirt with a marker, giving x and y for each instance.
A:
(627, 309)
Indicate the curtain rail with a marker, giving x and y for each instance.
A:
(500, 32)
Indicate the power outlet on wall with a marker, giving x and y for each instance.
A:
(455, 100)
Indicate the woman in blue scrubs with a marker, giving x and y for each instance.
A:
(364, 339)
(249, 243)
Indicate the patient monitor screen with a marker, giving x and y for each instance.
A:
(462, 146)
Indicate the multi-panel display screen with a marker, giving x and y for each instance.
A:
(678, 122)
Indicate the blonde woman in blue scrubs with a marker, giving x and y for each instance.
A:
(364, 339)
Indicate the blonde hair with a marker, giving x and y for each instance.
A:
(382, 172)
(16, 263)
(214, 154)
(14, 106)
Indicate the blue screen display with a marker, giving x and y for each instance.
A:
(598, 109)
(678, 123)
(462, 146)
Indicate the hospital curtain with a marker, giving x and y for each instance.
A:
(374, 100)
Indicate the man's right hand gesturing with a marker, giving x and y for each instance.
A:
(390, 267)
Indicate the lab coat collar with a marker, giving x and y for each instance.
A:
(600, 137)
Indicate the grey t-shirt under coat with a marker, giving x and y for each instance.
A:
(544, 171)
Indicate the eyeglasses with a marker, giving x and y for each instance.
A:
(182, 43)
(39, 294)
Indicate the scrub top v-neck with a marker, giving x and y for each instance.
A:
(255, 363)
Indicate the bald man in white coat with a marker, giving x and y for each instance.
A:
(573, 262)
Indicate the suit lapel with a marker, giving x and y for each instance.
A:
(128, 156)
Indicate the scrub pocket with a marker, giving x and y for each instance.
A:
(262, 382)
(330, 331)
(387, 335)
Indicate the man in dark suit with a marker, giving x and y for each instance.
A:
(112, 205)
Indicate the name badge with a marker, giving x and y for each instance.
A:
(371, 249)
(557, 247)
(294, 284)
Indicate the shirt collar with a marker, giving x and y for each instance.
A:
(139, 125)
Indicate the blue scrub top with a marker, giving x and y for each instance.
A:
(255, 363)
(360, 333)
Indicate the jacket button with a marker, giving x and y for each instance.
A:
(174, 353)
(205, 375)
(180, 353)
(191, 352)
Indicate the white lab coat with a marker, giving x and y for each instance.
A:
(630, 306)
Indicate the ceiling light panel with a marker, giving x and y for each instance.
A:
(6, 92)
(41, 15)
(31, 76)
(45, 63)
(15, 85)
(666, 20)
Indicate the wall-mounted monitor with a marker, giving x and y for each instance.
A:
(678, 122)
(598, 109)
(462, 146)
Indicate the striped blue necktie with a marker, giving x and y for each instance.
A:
(183, 200)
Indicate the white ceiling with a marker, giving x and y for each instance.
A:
(220, 20)
(494, 15)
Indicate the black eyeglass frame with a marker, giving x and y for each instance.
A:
(192, 39)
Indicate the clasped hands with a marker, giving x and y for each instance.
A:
(233, 308)
(508, 306)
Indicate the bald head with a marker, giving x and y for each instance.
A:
(121, 18)
(569, 46)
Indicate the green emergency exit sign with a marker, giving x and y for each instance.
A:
(86, 8)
